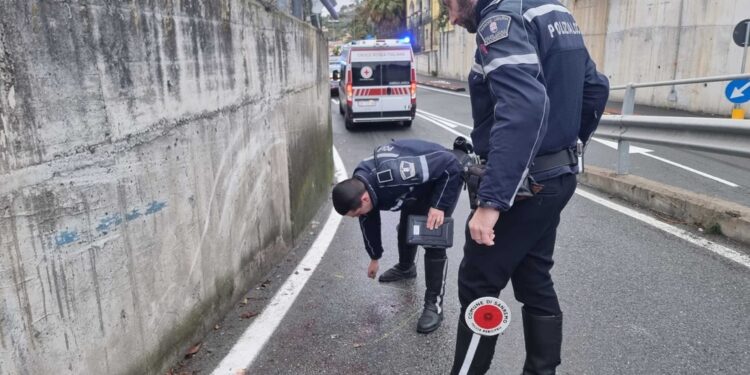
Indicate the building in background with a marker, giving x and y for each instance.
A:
(423, 21)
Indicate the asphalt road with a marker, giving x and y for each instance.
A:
(721, 176)
(636, 300)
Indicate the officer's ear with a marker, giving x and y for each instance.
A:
(365, 198)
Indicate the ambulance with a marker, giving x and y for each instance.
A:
(379, 82)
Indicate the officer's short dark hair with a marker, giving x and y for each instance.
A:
(346, 195)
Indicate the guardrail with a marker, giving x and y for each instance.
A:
(724, 136)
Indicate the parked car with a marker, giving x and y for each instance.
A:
(334, 74)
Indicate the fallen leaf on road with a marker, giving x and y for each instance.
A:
(359, 345)
(193, 349)
(244, 302)
(248, 314)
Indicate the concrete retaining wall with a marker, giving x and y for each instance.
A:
(156, 158)
(641, 41)
(454, 57)
(648, 41)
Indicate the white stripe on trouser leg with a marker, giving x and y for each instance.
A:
(439, 300)
(470, 354)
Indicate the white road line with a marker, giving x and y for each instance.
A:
(685, 235)
(441, 125)
(448, 122)
(717, 179)
(443, 91)
(647, 152)
(251, 342)
(433, 118)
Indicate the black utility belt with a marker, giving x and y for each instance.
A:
(562, 158)
(474, 173)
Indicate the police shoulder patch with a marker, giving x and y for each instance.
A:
(494, 28)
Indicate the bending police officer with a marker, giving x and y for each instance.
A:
(417, 178)
(534, 90)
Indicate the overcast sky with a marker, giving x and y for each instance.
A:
(339, 4)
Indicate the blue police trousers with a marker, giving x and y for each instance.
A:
(524, 244)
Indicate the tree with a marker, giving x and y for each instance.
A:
(360, 25)
(387, 16)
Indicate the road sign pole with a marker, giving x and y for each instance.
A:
(737, 112)
(747, 40)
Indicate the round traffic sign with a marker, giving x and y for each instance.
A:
(738, 91)
(487, 316)
(740, 31)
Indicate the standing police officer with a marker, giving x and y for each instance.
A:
(534, 91)
(416, 178)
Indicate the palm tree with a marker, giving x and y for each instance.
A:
(360, 25)
(387, 16)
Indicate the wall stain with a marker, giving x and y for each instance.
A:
(194, 44)
(133, 214)
(157, 55)
(169, 26)
(130, 264)
(155, 207)
(22, 139)
(115, 50)
(41, 287)
(226, 44)
(57, 290)
(66, 237)
(261, 53)
(69, 297)
(95, 280)
(2, 324)
(108, 222)
(19, 277)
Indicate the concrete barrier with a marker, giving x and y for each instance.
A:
(716, 216)
(156, 158)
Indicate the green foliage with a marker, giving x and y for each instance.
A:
(387, 16)
(442, 19)
(714, 228)
(360, 25)
(381, 18)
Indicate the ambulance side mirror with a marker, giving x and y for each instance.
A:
(335, 75)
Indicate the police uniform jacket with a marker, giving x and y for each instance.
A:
(534, 91)
(406, 170)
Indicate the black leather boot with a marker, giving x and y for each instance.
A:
(398, 272)
(472, 359)
(543, 336)
(434, 279)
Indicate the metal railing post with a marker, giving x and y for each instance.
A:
(623, 147)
